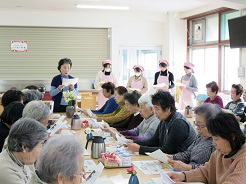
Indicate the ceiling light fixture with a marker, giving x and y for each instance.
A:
(103, 7)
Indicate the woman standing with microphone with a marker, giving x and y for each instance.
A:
(106, 75)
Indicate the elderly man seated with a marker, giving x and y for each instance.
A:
(148, 126)
(60, 161)
(26, 138)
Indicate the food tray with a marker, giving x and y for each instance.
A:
(114, 167)
(118, 167)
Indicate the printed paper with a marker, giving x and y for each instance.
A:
(67, 82)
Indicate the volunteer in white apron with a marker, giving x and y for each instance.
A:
(187, 92)
(138, 81)
(164, 76)
(106, 75)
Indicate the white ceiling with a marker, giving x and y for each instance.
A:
(135, 5)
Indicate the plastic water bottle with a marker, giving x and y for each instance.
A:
(121, 154)
(126, 159)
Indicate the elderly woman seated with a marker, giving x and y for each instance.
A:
(148, 126)
(131, 101)
(110, 105)
(202, 148)
(37, 110)
(60, 161)
(121, 113)
(26, 138)
(29, 96)
(12, 96)
(213, 97)
(174, 133)
(227, 163)
(10, 115)
(38, 90)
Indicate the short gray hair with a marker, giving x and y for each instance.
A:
(28, 132)
(37, 110)
(146, 100)
(60, 156)
(29, 96)
(207, 110)
(37, 93)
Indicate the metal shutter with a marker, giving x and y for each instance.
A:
(86, 47)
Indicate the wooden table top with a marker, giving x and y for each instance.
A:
(117, 175)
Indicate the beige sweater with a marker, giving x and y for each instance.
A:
(144, 82)
(220, 170)
(35, 179)
(12, 171)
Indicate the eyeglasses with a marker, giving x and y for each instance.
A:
(83, 174)
(199, 126)
(51, 128)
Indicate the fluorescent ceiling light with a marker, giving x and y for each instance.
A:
(103, 7)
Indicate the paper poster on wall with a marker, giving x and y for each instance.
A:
(198, 32)
(18, 46)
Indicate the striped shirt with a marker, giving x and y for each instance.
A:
(198, 152)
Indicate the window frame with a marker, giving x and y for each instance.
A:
(133, 58)
(220, 43)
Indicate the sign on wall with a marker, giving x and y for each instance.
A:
(18, 46)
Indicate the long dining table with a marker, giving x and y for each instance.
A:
(115, 175)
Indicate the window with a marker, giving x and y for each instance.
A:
(145, 56)
(224, 23)
(149, 59)
(212, 56)
(206, 66)
(205, 29)
(212, 28)
(230, 67)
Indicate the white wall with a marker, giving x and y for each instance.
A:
(128, 29)
(243, 64)
(176, 36)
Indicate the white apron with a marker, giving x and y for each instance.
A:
(187, 96)
(163, 79)
(137, 84)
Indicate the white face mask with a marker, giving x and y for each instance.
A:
(137, 74)
(107, 69)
